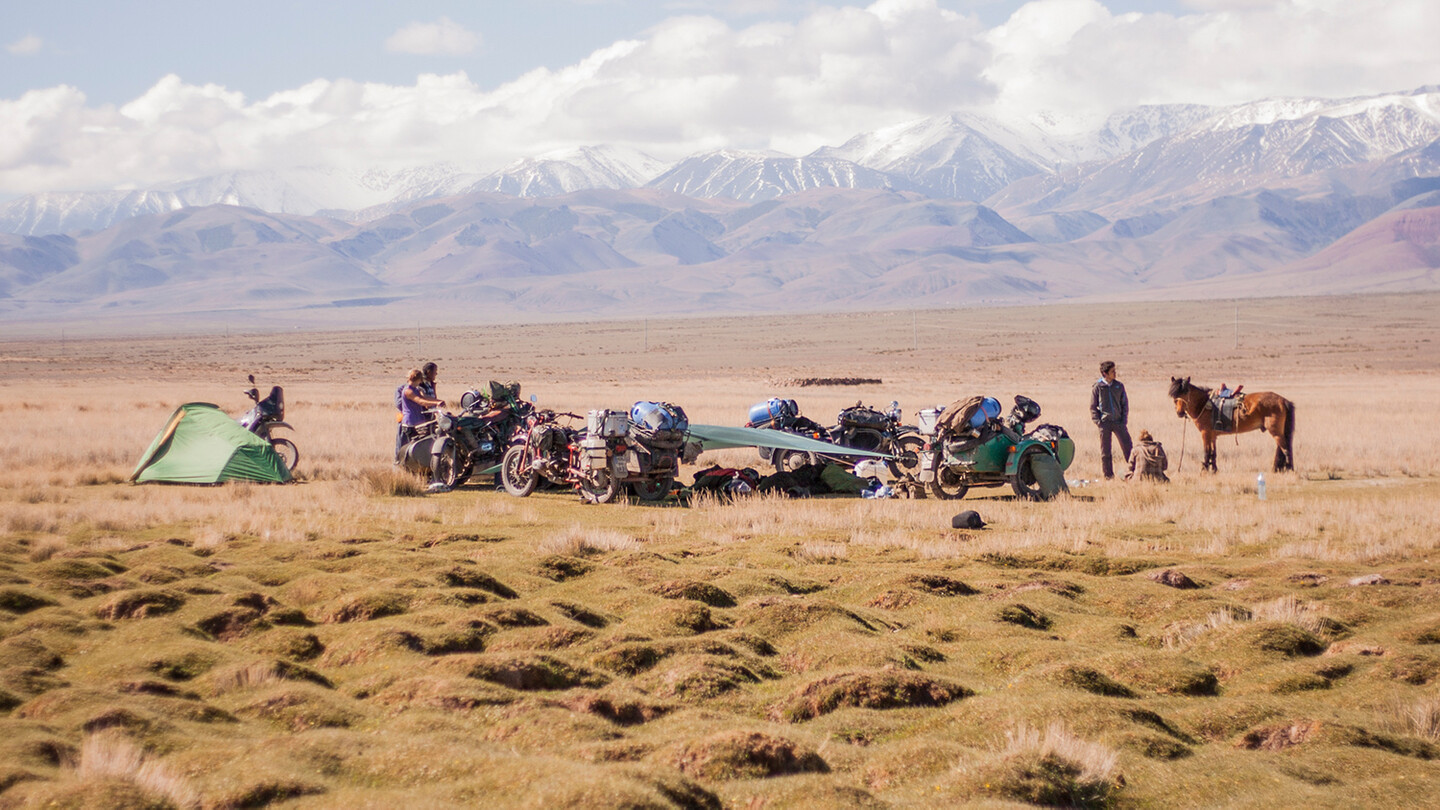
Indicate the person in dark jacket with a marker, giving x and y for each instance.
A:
(1148, 461)
(1110, 411)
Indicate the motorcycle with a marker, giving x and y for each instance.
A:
(267, 415)
(859, 426)
(540, 450)
(452, 447)
(986, 451)
(642, 449)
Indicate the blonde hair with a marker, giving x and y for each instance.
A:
(414, 376)
(1146, 437)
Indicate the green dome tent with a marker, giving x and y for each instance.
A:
(202, 445)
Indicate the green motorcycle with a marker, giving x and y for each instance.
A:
(986, 451)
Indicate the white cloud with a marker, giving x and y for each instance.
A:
(696, 83)
(27, 45)
(445, 37)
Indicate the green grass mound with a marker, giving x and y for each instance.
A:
(698, 591)
(534, 672)
(867, 690)
(742, 755)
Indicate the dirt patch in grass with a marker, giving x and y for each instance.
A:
(139, 604)
(621, 708)
(1161, 673)
(509, 616)
(939, 585)
(298, 708)
(363, 607)
(1278, 736)
(742, 755)
(469, 576)
(866, 690)
(23, 600)
(534, 672)
(697, 591)
(1091, 680)
(1023, 615)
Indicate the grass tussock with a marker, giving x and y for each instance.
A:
(111, 756)
(1053, 767)
(391, 482)
(578, 540)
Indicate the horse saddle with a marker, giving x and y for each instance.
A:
(1224, 409)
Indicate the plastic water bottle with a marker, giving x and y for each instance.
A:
(1260, 486)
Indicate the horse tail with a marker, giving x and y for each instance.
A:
(1290, 434)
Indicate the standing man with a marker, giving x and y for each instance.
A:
(1110, 411)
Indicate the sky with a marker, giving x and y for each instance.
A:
(137, 94)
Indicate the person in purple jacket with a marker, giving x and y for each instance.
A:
(413, 403)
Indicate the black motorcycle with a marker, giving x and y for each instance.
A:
(267, 415)
(860, 427)
(451, 448)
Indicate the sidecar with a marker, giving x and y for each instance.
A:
(997, 452)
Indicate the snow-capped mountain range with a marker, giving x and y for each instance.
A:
(1188, 199)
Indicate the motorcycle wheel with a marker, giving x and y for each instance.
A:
(792, 460)
(906, 450)
(467, 467)
(599, 487)
(947, 486)
(514, 475)
(652, 489)
(445, 467)
(1023, 482)
(287, 451)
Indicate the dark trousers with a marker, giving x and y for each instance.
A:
(1120, 432)
(403, 434)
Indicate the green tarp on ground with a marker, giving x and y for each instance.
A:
(720, 437)
(201, 444)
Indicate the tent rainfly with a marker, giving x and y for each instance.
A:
(202, 445)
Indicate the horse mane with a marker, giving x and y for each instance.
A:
(1179, 387)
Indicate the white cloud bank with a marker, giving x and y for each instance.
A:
(27, 45)
(445, 37)
(694, 83)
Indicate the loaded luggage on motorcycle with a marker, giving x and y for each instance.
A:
(773, 413)
(863, 416)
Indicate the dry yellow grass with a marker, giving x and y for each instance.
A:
(351, 641)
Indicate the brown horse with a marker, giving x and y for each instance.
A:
(1263, 410)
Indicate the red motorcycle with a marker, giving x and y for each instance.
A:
(541, 449)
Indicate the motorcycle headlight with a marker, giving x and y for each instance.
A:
(444, 423)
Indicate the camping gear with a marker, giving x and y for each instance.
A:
(960, 455)
(969, 519)
(773, 413)
(267, 415)
(201, 444)
(540, 450)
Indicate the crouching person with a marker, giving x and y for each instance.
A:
(1148, 461)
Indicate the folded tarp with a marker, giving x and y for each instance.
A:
(720, 437)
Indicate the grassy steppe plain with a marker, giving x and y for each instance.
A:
(333, 644)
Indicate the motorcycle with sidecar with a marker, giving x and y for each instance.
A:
(452, 448)
(983, 450)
